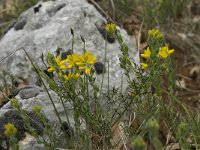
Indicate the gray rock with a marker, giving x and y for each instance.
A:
(20, 24)
(49, 29)
(43, 100)
(26, 92)
(7, 114)
(30, 143)
(10, 116)
(44, 32)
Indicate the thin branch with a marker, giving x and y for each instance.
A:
(102, 11)
(113, 7)
(10, 54)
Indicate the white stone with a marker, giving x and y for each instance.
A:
(47, 29)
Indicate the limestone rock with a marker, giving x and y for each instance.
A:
(46, 27)
(7, 114)
(49, 28)
(26, 92)
(30, 143)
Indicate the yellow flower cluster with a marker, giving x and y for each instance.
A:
(163, 53)
(147, 53)
(144, 65)
(9, 130)
(82, 62)
(61, 65)
(36, 109)
(14, 103)
(155, 33)
(72, 76)
(110, 27)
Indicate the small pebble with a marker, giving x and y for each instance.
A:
(99, 67)
(26, 93)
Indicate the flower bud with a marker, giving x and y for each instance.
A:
(9, 129)
(138, 143)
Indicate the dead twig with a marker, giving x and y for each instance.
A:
(182, 76)
(113, 7)
(101, 10)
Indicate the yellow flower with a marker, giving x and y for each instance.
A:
(72, 60)
(36, 109)
(147, 53)
(164, 52)
(61, 65)
(110, 27)
(14, 103)
(77, 75)
(155, 33)
(87, 71)
(144, 66)
(9, 130)
(85, 59)
(72, 76)
(69, 76)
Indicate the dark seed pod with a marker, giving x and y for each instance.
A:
(83, 40)
(72, 31)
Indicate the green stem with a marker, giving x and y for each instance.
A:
(87, 138)
(108, 77)
(65, 110)
(84, 47)
(72, 32)
(44, 86)
(105, 54)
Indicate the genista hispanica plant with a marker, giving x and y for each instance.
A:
(95, 125)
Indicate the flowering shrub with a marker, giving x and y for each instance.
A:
(75, 83)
